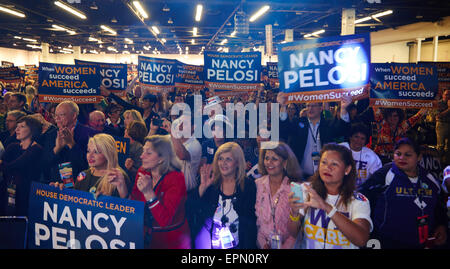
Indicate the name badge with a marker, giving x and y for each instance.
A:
(315, 156)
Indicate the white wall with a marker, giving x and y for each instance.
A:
(392, 52)
(426, 52)
(19, 57)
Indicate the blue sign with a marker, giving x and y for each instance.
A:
(60, 82)
(113, 76)
(324, 69)
(272, 70)
(123, 149)
(189, 76)
(75, 219)
(403, 85)
(233, 71)
(157, 72)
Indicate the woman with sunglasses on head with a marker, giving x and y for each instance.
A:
(408, 205)
(332, 214)
(223, 206)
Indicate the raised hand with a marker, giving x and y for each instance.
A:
(206, 178)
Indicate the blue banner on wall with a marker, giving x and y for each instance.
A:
(60, 82)
(113, 76)
(233, 72)
(156, 73)
(75, 219)
(325, 69)
(403, 85)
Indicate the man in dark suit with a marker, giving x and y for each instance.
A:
(307, 136)
(68, 144)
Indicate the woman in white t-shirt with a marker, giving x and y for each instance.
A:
(333, 215)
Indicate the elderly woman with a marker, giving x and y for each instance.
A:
(160, 184)
(408, 208)
(223, 206)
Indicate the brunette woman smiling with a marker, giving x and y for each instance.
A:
(20, 167)
(334, 215)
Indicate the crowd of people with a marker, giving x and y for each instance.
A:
(358, 167)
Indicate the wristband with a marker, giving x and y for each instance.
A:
(332, 212)
(294, 219)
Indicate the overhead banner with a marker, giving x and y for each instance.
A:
(229, 73)
(61, 219)
(157, 74)
(10, 74)
(113, 76)
(189, 76)
(399, 85)
(325, 69)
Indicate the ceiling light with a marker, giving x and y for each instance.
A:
(63, 51)
(125, 46)
(166, 8)
(93, 51)
(193, 41)
(34, 46)
(93, 6)
(220, 49)
(194, 31)
(384, 13)
(314, 33)
(224, 41)
(140, 9)
(63, 29)
(66, 49)
(12, 12)
(156, 30)
(106, 28)
(29, 39)
(170, 21)
(92, 39)
(70, 9)
(163, 40)
(17, 37)
(129, 41)
(198, 13)
(259, 13)
(233, 33)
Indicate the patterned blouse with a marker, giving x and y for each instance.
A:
(386, 137)
(264, 205)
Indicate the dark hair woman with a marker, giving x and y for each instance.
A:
(20, 167)
(408, 204)
(334, 215)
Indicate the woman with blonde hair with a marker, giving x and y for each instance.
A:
(131, 115)
(278, 167)
(223, 206)
(160, 184)
(104, 175)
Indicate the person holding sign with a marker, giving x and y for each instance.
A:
(334, 216)
(393, 127)
(160, 184)
(223, 205)
(279, 167)
(104, 175)
(307, 137)
(20, 165)
(408, 208)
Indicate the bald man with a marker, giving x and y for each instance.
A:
(68, 144)
(97, 120)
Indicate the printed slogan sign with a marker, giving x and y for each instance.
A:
(10, 74)
(123, 149)
(157, 74)
(113, 76)
(325, 69)
(77, 83)
(75, 219)
(230, 73)
(272, 70)
(403, 85)
(189, 76)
